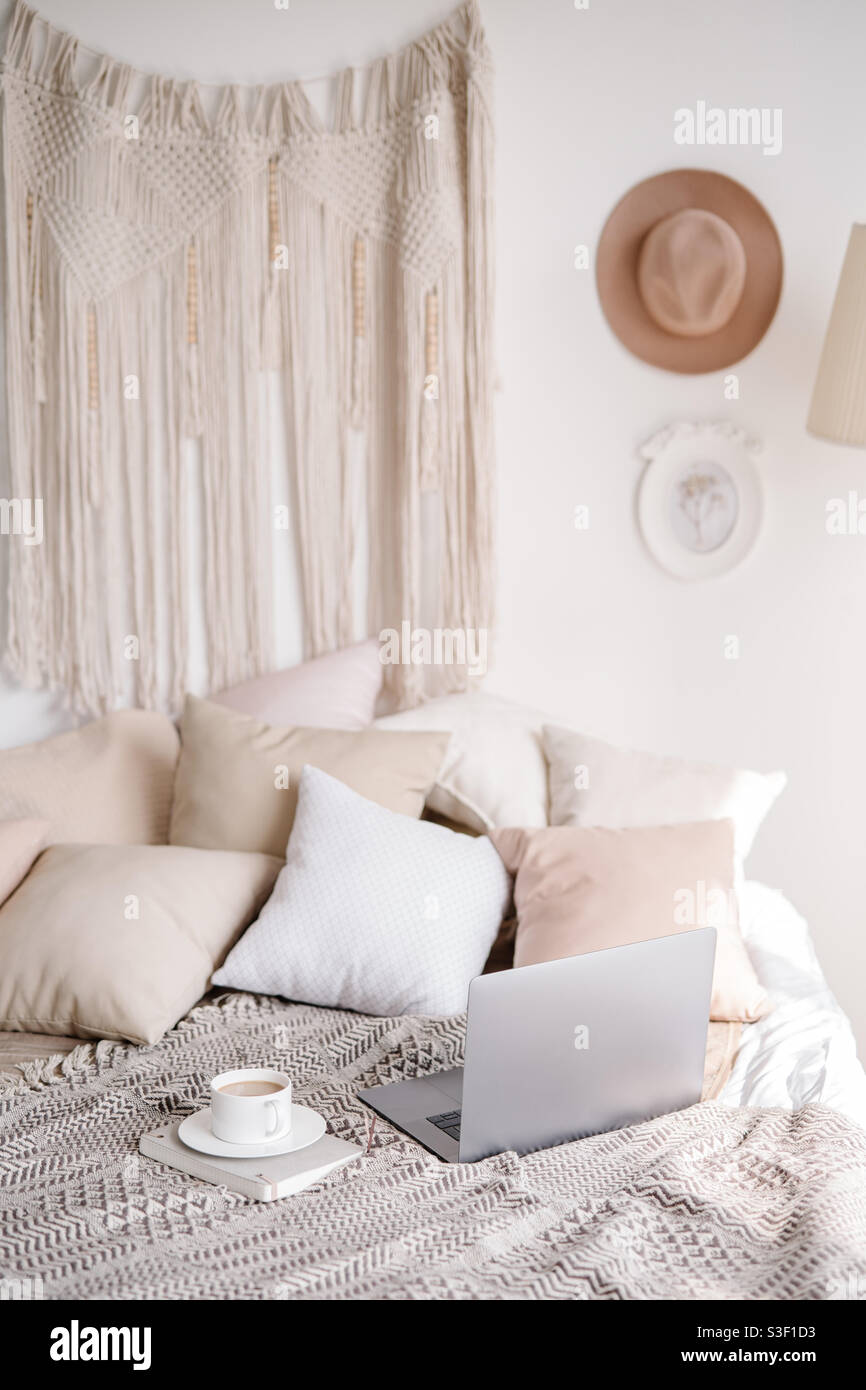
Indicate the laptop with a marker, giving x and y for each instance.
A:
(565, 1049)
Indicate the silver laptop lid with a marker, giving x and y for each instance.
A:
(586, 1044)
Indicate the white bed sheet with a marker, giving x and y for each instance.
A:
(804, 1050)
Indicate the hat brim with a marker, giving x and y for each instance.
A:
(617, 258)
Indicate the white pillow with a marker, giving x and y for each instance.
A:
(595, 783)
(373, 910)
(494, 772)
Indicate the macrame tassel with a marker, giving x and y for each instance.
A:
(193, 423)
(94, 481)
(359, 333)
(271, 345)
(429, 461)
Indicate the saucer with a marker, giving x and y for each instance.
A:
(307, 1127)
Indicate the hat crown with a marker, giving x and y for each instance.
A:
(691, 272)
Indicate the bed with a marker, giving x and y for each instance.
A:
(754, 1194)
(804, 1051)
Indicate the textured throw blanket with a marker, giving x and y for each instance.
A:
(708, 1203)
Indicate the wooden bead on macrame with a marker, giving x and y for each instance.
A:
(273, 210)
(429, 470)
(191, 294)
(94, 480)
(359, 288)
(193, 425)
(431, 334)
(92, 363)
(359, 331)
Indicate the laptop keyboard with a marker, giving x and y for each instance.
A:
(448, 1122)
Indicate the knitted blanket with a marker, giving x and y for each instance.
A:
(712, 1202)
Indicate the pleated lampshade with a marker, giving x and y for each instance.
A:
(838, 409)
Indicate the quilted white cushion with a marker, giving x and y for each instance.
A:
(373, 911)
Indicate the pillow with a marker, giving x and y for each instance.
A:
(580, 890)
(20, 842)
(109, 782)
(617, 787)
(373, 911)
(494, 772)
(237, 779)
(501, 956)
(108, 942)
(337, 691)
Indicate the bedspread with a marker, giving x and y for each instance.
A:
(712, 1202)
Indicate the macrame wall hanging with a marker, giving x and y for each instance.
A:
(160, 258)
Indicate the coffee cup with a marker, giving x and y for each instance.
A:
(251, 1105)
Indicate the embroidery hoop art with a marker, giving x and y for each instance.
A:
(700, 499)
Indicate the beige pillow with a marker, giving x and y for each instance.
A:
(580, 890)
(335, 691)
(20, 842)
(236, 785)
(107, 942)
(109, 782)
(596, 783)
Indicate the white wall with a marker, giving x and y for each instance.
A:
(589, 627)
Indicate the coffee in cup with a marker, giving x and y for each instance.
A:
(252, 1105)
(250, 1088)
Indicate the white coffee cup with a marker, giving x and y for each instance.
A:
(251, 1105)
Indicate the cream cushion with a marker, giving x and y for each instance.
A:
(237, 778)
(75, 959)
(596, 783)
(20, 842)
(579, 890)
(494, 772)
(109, 782)
(336, 691)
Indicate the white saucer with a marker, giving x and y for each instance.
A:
(307, 1127)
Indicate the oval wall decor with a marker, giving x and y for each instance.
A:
(700, 503)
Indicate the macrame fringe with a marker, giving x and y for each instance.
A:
(61, 1066)
(149, 280)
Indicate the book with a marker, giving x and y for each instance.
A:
(263, 1179)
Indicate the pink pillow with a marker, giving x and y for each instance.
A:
(20, 842)
(582, 889)
(337, 691)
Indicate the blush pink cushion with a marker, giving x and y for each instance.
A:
(20, 842)
(585, 889)
(337, 691)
